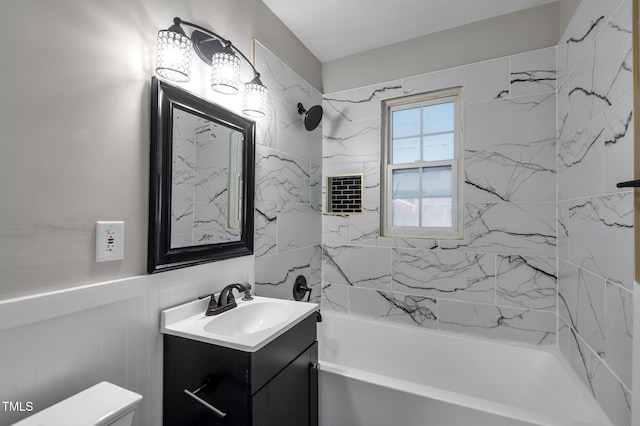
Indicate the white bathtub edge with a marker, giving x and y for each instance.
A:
(449, 396)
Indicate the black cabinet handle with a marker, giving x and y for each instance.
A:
(629, 184)
(193, 395)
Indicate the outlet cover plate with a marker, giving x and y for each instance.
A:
(109, 241)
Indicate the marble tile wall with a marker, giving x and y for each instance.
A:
(199, 211)
(500, 280)
(288, 218)
(595, 219)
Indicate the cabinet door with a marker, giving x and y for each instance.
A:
(288, 399)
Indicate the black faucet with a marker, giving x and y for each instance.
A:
(226, 300)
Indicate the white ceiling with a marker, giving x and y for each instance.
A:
(333, 29)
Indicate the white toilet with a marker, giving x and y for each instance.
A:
(100, 405)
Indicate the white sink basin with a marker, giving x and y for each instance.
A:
(247, 327)
(249, 318)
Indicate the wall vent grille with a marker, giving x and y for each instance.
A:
(344, 194)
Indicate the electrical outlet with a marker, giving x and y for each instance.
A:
(109, 241)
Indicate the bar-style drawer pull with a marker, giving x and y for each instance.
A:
(629, 184)
(193, 395)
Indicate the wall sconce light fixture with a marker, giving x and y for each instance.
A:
(173, 62)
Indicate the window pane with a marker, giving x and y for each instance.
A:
(406, 150)
(439, 147)
(405, 183)
(406, 212)
(436, 212)
(406, 122)
(436, 181)
(438, 118)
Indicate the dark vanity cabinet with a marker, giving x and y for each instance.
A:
(274, 386)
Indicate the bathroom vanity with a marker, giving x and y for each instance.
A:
(214, 374)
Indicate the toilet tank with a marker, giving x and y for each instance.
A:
(100, 405)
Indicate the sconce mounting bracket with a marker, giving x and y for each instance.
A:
(205, 45)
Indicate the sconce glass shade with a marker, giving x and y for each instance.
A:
(225, 71)
(173, 60)
(255, 103)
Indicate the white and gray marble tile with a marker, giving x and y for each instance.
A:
(394, 307)
(562, 112)
(183, 160)
(533, 72)
(358, 266)
(618, 144)
(335, 229)
(315, 182)
(281, 177)
(371, 182)
(583, 360)
(604, 74)
(299, 225)
(294, 139)
(611, 6)
(365, 227)
(497, 322)
(613, 71)
(275, 275)
(417, 243)
(181, 224)
(563, 229)
(335, 298)
(516, 123)
(183, 175)
(212, 160)
(582, 30)
(481, 81)
(619, 332)
(564, 338)
(444, 274)
(596, 225)
(584, 102)
(580, 160)
(613, 396)
(282, 82)
(582, 302)
(351, 142)
(568, 291)
(527, 282)
(517, 175)
(358, 104)
(508, 228)
(210, 224)
(205, 129)
(267, 128)
(266, 228)
(181, 240)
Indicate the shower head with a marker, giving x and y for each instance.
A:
(312, 117)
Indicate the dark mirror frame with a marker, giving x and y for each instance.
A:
(161, 257)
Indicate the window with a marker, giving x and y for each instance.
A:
(422, 165)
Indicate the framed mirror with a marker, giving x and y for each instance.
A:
(201, 182)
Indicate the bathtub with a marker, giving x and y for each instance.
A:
(380, 374)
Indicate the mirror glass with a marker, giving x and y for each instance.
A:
(206, 183)
(201, 198)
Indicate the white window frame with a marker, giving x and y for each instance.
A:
(457, 166)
